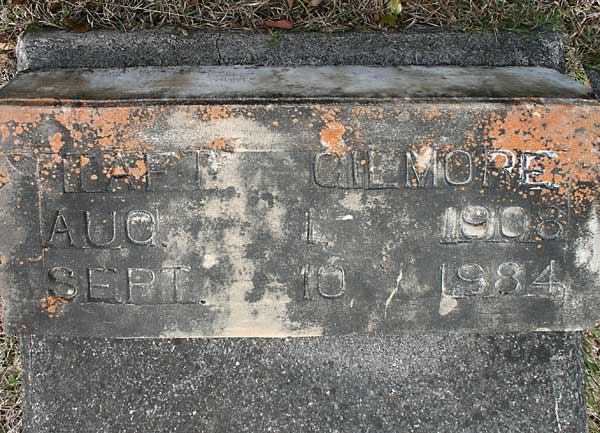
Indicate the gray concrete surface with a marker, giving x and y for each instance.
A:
(594, 77)
(504, 383)
(300, 219)
(45, 49)
(445, 383)
(270, 83)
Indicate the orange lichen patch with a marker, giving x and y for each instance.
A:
(221, 144)
(433, 114)
(109, 127)
(53, 305)
(423, 153)
(328, 114)
(48, 166)
(333, 131)
(109, 124)
(21, 114)
(83, 160)
(216, 112)
(332, 138)
(118, 171)
(139, 170)
(56, 142)
(368, 112)
(565, 140)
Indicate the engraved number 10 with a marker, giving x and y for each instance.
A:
(329, 281)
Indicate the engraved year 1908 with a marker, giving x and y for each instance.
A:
(503, 224)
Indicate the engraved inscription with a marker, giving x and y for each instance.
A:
(300, 219)
(139, 286)
(64, 282)
(503, 224)
(97, 172)
(115, 224)
(427, 167)
(96, 234)
(93, 229)
(329, 281)
(501, 279)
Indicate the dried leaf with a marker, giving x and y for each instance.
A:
(290, 3)
(54, 7)
(193, 2)
(75, 26)
(280, 24)
(17, 2)
(6, 46)
(315, 3)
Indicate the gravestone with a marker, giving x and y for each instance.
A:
(352, 188)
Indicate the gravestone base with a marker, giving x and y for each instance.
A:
(446, 383)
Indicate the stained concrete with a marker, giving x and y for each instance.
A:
(300, 219)
(269, 83)
(446, 383)
(594, 77)
(505, 383)
(43, 49)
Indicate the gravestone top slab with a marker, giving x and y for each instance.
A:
(236, 84)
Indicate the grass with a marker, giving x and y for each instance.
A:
(577, 20)
(10, 383)
(591, 356)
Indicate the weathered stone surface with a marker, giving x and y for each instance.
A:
(301, 219)
(445, 383)
(249, 83)
(451, 383)
(46, 49)
(594, 77)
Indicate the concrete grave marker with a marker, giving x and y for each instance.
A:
(341, 199)
(321, 212)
